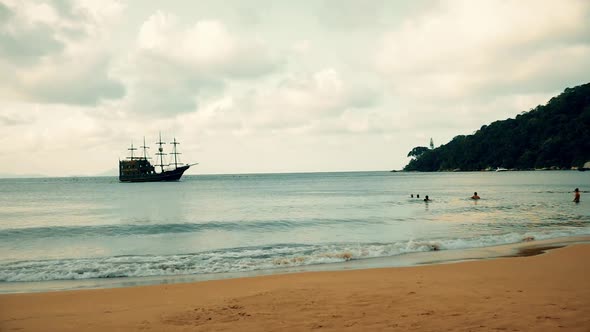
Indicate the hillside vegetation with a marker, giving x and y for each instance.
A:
(553, 135)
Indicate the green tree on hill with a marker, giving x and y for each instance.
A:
(417, 151)
(553, 135)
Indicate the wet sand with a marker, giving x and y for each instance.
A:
(548, 292)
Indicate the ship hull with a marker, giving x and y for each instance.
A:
(173, 175)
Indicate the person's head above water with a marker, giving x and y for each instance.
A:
(577, 195)
(426, 199)
(475, 193)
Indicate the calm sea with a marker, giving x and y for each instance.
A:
(86, 228)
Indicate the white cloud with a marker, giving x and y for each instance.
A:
(57, 54)
(297, 103)
(464, 48)
(175, 65)
(302, 47)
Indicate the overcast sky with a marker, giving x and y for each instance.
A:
(272, 86)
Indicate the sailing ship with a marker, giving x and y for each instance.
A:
(139, 168)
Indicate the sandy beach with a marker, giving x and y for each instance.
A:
(547, 292)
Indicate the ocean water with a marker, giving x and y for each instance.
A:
(75, 229)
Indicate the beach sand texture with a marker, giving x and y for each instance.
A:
(549, 292)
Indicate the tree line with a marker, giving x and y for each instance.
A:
(553, 135)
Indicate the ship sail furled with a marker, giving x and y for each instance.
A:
(174, 152)
(161, 153)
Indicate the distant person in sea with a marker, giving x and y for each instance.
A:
(411, 195)
(427, 199)
(417, 195)
(577, 195)
(475, 196)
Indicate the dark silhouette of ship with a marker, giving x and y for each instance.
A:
(139, 169)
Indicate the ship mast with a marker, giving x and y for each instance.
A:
(175, 143)
(132, 149)
(161, 153)
(144, 149)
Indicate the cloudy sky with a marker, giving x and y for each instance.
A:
(272, 86)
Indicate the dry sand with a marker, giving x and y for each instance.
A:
(549, 292)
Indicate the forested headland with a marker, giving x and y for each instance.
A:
(555, 135)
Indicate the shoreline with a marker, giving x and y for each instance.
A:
(519, 293)
(436, 257)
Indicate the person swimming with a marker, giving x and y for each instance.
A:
(577, 195)
(475, 196)
(427, 199)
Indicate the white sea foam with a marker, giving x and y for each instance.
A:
(246, 259)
